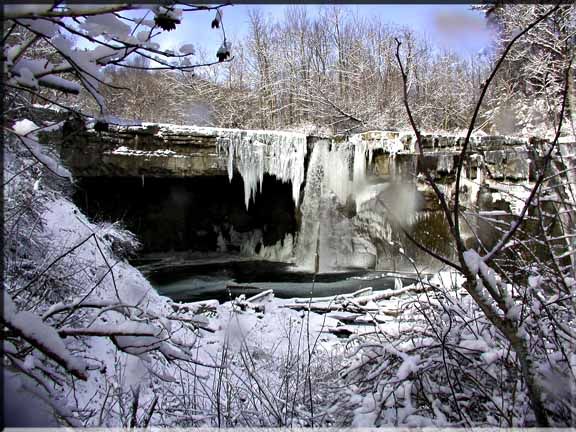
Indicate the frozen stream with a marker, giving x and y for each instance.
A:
(226, 280)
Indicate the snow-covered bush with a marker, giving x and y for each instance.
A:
(84, 331)
(446, 364)
(86, 337)
(281, 370)
(522, 289)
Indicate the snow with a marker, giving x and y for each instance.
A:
(143, 36)
(137, 344)
(475, 345)
(472, 260)
(493, 213)
(26, 131)
(39, 152)
(25, 77)
(569, 139)
(42, 336)
(105, 24)
(126, 151)
(24, 126)
(43, 27)
(408, 366)
(26, 71)
(38, 413)
(20, 10)
(491, 356)
(60, 83)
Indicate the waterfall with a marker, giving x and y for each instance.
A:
(311, 207)
(342, 216)
(335, 188)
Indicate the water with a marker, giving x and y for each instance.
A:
(224, 281)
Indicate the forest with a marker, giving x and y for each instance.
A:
(349, 150)
(338, 72)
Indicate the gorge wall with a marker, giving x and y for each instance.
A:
(285, 195)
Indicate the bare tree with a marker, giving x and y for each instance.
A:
(67, 283)
(506, 344)
(535, 66)
(342, 76)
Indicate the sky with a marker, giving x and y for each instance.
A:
(453, 26)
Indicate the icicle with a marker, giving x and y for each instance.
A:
(142, 177)
(359, 178)
(255, 153)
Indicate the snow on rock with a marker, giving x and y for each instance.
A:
(125, 151)
(23, 127)
(107, 118)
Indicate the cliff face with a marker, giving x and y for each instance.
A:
(186, 151)
(178, 188)
(134, 151)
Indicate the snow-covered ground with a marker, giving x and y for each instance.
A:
(121, 339)
(89, 342)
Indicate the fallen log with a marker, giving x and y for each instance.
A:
(263, 297)
(336, 307)
(385, 295)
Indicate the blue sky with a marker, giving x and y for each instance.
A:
(453, 26)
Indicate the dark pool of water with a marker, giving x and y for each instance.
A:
(224, 281)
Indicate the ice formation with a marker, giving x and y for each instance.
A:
(346, 219)
(255, 153)
(339, 209)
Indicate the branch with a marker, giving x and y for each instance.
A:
(502, 243)
(426, 171)
(67, 13)
(485, 86)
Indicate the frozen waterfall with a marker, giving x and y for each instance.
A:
(341, 215)
(342, 218)
(255, 153)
